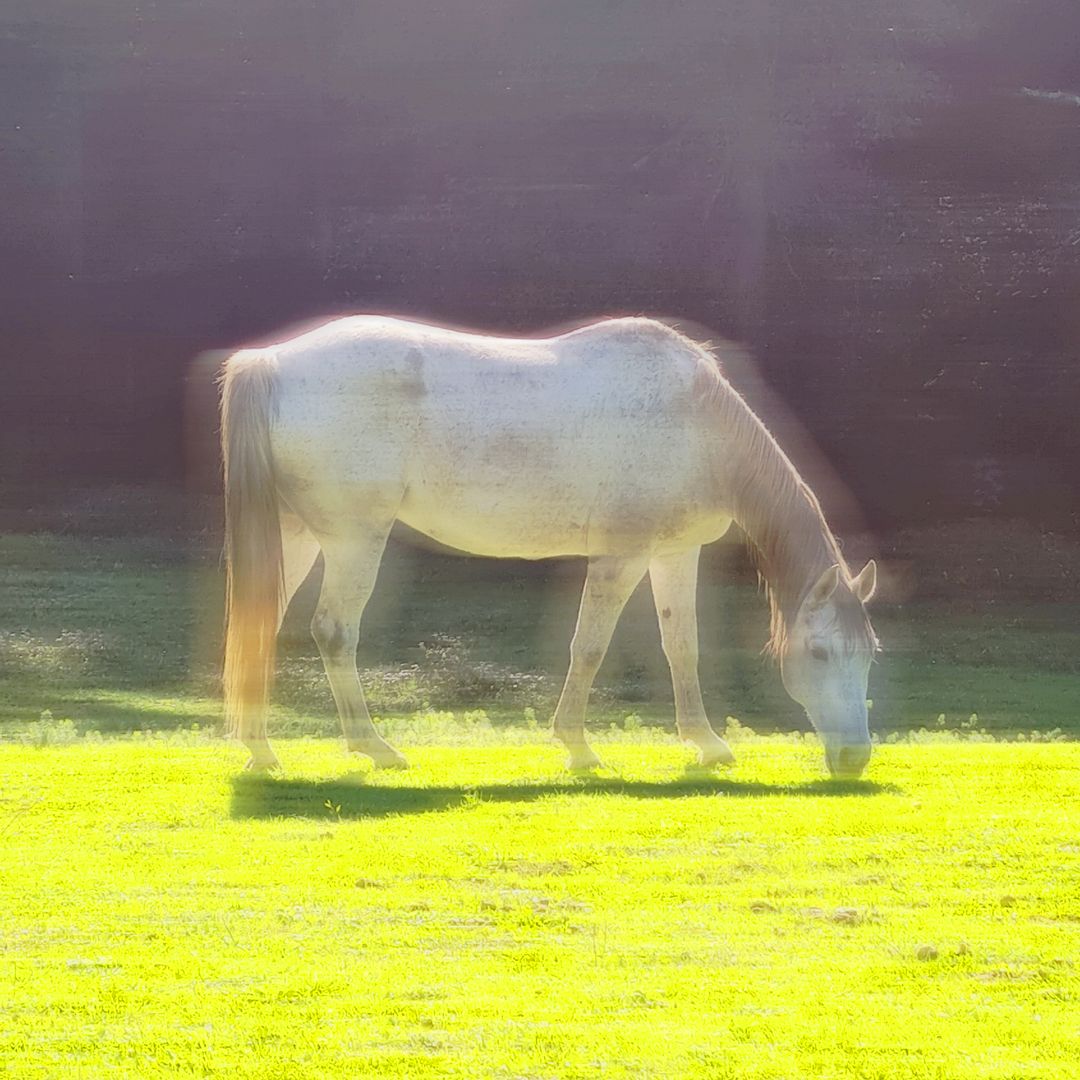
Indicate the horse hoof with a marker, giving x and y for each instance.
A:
(715, 755)
(583, 761)
(263, 765)
(393, 760)
(383, 757)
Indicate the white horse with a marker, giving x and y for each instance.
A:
(621, 442)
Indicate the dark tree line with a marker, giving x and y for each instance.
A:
(881, 200)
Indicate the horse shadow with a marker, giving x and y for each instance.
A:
(354, 797)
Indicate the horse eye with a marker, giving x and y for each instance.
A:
(819, 652)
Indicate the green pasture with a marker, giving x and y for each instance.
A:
(488, 915)
(118, 635)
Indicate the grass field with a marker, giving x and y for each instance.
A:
(486, 915)
(123, 634)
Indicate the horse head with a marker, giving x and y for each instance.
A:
(825, 663)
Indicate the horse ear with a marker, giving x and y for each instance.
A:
(864, 584)
(823, 588)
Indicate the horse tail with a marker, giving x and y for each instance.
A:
(253, 557)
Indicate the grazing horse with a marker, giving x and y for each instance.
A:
(621, 442)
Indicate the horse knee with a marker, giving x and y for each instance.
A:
(586, 657)
(331, 634)
(681, 652)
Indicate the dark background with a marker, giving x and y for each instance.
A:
(881, 199)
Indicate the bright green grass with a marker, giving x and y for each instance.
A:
(488, 915)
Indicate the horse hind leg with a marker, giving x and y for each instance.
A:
(609, 582)
(674, 586)
(299, 550)
(348, 578)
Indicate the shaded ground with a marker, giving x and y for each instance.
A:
(118, 634)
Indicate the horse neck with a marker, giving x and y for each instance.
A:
(779, 514)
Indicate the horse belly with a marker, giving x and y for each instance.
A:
(497, 514)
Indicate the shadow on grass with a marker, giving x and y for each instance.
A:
(104, 710)
(262, 796)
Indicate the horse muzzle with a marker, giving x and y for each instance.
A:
(848, 762)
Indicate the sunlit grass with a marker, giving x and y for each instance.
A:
(488, 914)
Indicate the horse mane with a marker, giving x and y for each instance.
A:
(789, 539)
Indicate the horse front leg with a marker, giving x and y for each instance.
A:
(674, 587)
(348, 578)
(609, 582)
